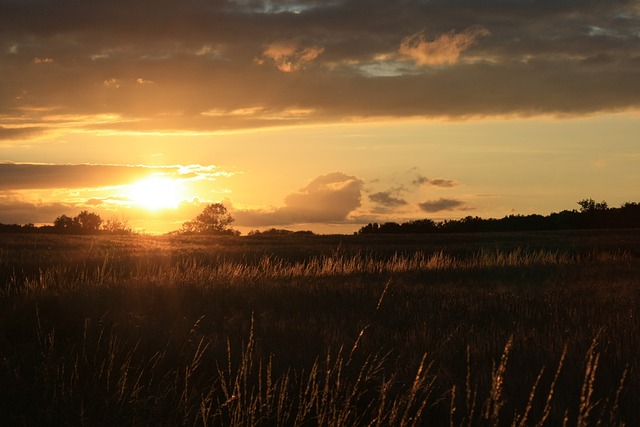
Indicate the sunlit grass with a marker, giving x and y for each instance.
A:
(110, 270)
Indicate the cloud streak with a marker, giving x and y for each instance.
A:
(28, 176)
(442, 204)
(435, 182)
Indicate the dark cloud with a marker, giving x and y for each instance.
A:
(442, 204)
(436, 182)
(16, 211)
(159, 65)
(20, 133)
(439, 182)
(420, 180)
(21, 176)
(386, 199)
(328, 198)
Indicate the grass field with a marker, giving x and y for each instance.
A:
(460, 330)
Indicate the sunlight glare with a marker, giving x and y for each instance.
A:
(156, 192)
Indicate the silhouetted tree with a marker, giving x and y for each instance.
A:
(214, 219)
(418, 226)
(368, 229)
(85, 222)
(590, 205)
(117, 226)
(88, 221)
(629, 215)
(63, 222)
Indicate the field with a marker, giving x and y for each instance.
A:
(460, 330)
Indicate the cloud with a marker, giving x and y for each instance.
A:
(289, 56)
(444, 49)
(14, 210)
(143, 82)
(385, 199)
(436, 182)
(442, 204)
(20, 176)
(94, 202)
(328, 198)
(23, 176)
(439, 182)
(420, 180)
(43, 60)
(113, 82)
(20, 132)
(160, 72)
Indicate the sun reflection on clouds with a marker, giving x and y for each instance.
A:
(200, 172)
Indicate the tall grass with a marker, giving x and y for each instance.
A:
(114, 270)
(106, 380)
(124, 332)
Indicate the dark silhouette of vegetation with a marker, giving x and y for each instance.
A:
(590, 205)
(592, 215)
(279, 232)
(17, 228)
(84, 223)
(63, 222)
(214, 219)
(116, 226)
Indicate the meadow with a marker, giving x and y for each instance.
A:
(513, 329)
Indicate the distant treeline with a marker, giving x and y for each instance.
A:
(83, 223)
(590, 216)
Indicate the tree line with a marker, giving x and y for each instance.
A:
(216, 220)
(84, 223)
(591, 215)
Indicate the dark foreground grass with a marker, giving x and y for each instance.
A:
(464, 330)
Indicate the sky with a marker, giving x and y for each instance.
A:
(316, 115)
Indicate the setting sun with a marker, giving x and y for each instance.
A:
(156, 193)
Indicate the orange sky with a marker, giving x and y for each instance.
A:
(316, 115)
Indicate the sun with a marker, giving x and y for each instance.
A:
(156, 192)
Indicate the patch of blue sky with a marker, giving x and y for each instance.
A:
(386, 69)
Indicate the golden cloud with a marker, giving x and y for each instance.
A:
(444, 49)
(288, 56)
